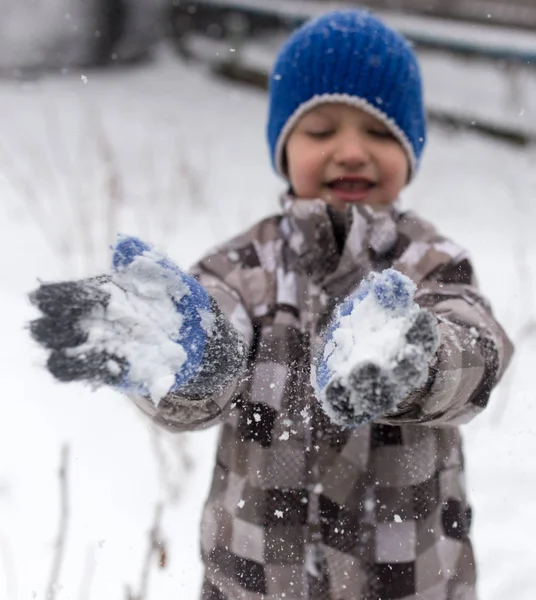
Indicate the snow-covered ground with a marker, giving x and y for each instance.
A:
(179, 158)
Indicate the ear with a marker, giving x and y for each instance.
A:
(284, 162)
(409, 175)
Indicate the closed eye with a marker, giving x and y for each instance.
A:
(320, 134)
(383, 134)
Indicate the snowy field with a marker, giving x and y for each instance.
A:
(179, 158)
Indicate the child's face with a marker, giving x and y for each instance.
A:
(343, 155)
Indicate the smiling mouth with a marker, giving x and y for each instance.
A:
(351, 185)
(351, 190)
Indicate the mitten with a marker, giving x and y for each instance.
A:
(376, 350)
(146, 327)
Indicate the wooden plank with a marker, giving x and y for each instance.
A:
(512, 13)
(462, 39)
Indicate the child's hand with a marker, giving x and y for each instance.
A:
(143, 328)
(377, 350)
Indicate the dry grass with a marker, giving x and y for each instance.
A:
(77, 197)
(59, 547)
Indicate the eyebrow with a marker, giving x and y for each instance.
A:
(318, 114)
(322, 110)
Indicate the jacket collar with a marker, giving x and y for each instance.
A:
(310, 229)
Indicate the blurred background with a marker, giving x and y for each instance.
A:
(147, 117)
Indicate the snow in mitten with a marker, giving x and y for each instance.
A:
(376, 350)
(147, 327)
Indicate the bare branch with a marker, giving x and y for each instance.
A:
(63, 524)
(154, 545)
(114, 187)
(173, 465)
(31, 198)
(89, 572)
(155, 548)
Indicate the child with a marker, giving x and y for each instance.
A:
(338, 345)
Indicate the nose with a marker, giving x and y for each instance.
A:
(351, 150)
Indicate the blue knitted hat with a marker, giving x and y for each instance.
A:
(351, 57)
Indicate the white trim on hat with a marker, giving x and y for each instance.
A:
(352, 101)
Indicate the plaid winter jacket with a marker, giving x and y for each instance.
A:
(300, 508)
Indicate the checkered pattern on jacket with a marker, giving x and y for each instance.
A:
(300, 508)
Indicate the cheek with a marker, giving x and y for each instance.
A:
(396, 171)
(304, 168)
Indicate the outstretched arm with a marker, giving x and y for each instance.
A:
(395, 354)
(148, 329)
(472, 357)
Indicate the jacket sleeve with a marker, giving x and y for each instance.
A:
(188, 412)
(473, 354)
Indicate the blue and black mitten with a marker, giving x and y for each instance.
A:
(147, 327)
(376, 350)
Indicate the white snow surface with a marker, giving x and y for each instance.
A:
(370, 333)
(170, 154)
(373, 334)
(140, 323)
